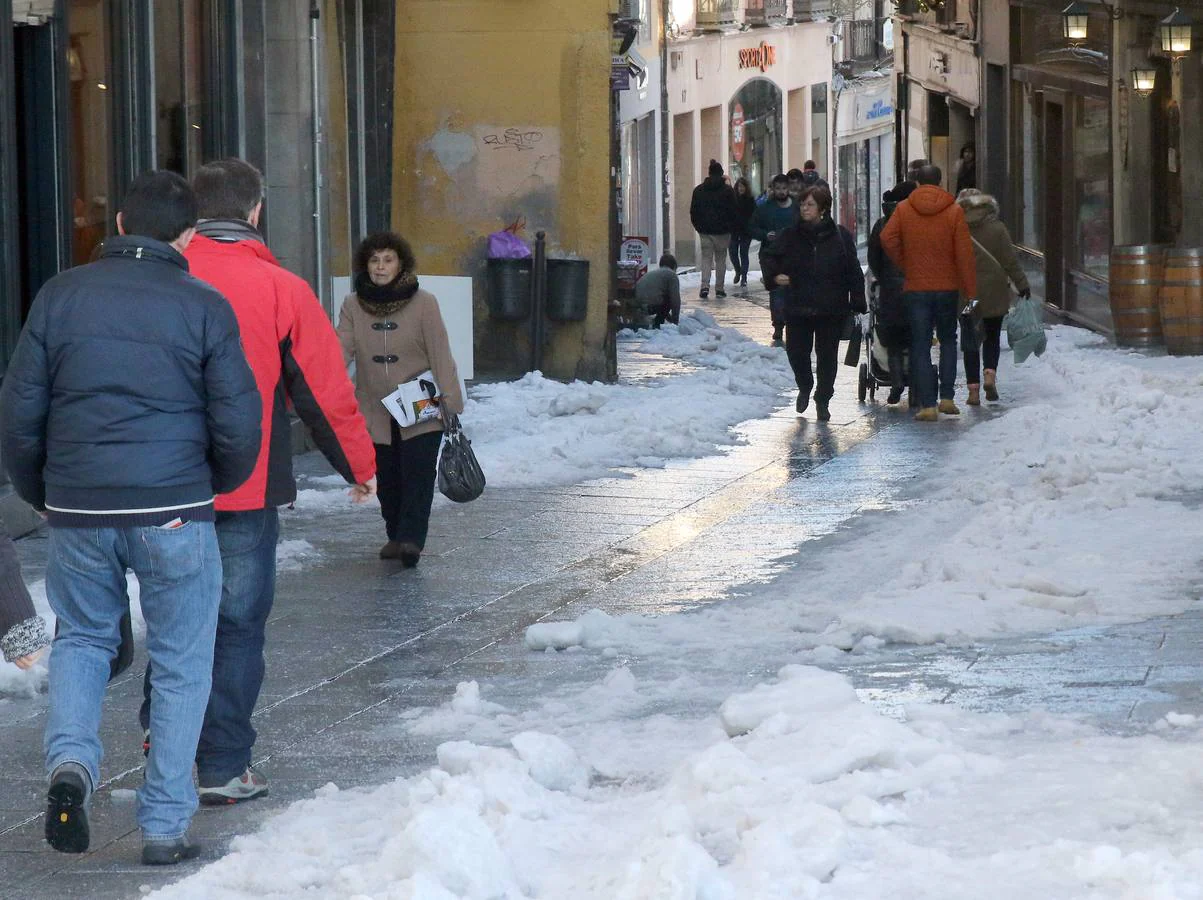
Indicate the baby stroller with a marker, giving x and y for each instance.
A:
(875, 369)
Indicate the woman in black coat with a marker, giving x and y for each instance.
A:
(741, 240)
(815, 261)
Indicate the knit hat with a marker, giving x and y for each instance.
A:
(716, 169)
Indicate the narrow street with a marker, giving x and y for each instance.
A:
(355, 643)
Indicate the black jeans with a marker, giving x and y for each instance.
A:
(822, 334)
(989, 353)
(739, 255)
(405, 473)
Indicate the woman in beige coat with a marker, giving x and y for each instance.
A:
(997, 269)
(394, 332)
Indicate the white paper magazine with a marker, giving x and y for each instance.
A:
(410, 403)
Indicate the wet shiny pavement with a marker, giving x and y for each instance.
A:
(355, 642)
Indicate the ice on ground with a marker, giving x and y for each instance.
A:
(294, 554)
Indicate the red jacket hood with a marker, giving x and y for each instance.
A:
(929, 200)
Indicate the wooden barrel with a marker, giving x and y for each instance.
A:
(1181, 299)
(1136, 274)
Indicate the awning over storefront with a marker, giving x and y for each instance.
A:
(866, 109)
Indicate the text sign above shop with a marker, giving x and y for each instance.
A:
(758, 57)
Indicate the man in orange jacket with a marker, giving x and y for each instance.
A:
(296, 358)
(928, 238)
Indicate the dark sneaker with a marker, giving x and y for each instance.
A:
(777, 335)
(823, 412)
(802, 402)
(704, 293)
(66, 809)
(168, 853)
(247, 786)
(895, 396)
(720, 293)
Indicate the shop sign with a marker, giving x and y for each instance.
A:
(634, 257)
(737, 133)
(620, 73)
(758, 57)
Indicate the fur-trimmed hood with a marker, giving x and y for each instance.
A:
(978, 208)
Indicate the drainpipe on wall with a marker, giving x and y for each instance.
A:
(665, 125)
(319, 235)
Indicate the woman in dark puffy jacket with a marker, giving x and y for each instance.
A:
(741, 240)
(815, 261)
(892, 327)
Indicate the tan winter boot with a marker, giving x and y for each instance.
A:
(949, 408)
(927, 414)
(975, 395)
(991, 385)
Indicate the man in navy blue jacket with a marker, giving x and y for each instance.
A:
(127, 406)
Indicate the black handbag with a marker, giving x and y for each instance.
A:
(852, 356)
(460, 477)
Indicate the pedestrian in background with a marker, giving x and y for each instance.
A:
(815, 262)
(891, 326)
(811, 176)
(967, 168)
(741, 239)
(128, 405)
(928, 239)
(393, 331)
(769, 221)
(997, 269)
(658, 293)
(23, 635)
(712, 213)
(797, 184)
(295, 355)
(913, 168)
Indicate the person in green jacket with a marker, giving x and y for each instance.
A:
(770, 219)
(997, 269)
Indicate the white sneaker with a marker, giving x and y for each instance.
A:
(247, 786)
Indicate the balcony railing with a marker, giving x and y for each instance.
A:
(812, 10)
(767, 12)
(859, 40)
(715, 15)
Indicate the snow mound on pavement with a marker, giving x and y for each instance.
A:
(535, 431)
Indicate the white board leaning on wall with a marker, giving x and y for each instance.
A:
(454, 294)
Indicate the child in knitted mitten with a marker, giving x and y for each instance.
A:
(22, 631)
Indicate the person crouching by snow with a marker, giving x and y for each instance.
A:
(997, 265)
(815, 261)
(893, 325)
(393, 331)
(658, 293)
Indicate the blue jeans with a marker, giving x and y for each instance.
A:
(739, 255)
(248, 558)
(928, 309)
(179, 571)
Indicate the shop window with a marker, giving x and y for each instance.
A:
(88, 75)
(1092, 178)
(179, 85)
(1027, 156)
(755, 133)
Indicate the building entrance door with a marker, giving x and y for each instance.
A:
(1054, 201)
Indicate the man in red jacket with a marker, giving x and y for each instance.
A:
(928, 239)
(295, 356)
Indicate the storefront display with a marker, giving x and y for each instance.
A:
(755, 133)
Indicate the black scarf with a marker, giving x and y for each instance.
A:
(383, 300)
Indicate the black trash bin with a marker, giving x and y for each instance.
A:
(567, 289)
(509, 289)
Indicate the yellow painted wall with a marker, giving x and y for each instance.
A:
(502, 111)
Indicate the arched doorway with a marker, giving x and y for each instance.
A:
(754, 119)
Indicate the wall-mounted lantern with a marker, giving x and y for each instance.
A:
(1075, 20)
(1144, 81)
(1175, 33)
